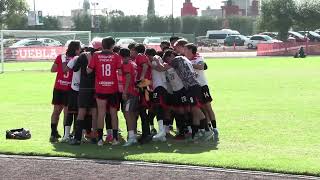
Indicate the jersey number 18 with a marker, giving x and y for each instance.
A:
(106, 69)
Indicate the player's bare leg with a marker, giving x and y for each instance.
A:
(101, 104)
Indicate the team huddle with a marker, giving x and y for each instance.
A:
(94, 83)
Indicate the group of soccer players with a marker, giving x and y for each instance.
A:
(94, 83)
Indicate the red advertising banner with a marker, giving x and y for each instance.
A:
(33, 53)
(288, 48)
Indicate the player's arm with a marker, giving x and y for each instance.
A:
(199, 65)
(160, 66)
(126, 87)
(91, 65)
(79, 63)
(144, 70)
(54, 68)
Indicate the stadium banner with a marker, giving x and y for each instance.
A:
(33, 53)
(288, 48)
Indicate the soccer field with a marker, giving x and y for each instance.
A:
(267, 110)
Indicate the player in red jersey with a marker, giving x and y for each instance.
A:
(105, 65)
(144, 72)
(130, 95)
(61, 87)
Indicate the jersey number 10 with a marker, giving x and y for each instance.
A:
(106, 69)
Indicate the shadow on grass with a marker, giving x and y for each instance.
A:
(110, 152)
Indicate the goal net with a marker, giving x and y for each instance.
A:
(38, 48)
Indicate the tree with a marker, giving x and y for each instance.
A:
(155, 24)
(82, 22)
(307, 15)
(207, 23)
(189, 24)
(151, 10)
(125, 23)
(13, 12)
(116, 13)
(277, 15)
(243, 24)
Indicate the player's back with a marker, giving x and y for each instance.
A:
(63, 80)
(106, 64)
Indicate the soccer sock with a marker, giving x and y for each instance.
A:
(131, 134)
(207, 126)
(151, 116)
(100, 134)
(214, 124)
(67, 131)
(195, 130)
(54, 129)
(166, 125)
(203, 123)
(144, 123)
(109, 131)
(180, 123)
(88, 123)
(79, 126)
(189, 129)
(115, 134)
(161, 126)
(107, 120)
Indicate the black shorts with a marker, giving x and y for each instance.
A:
(131, 104)
(206, 96)
(86, 98)
(73, 101)
(112, 99)
(60, 97)
(179, 98)
(194, 95)
(159, 97)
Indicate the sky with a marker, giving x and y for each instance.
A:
(129, 7)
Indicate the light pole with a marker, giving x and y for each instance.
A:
(34, 10)
(172, 18)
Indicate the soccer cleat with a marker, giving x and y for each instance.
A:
(216, 133)
(53, 139)
(161, 136)
(145, 139)
(115, 142)
(130, 142)
(153, 132)
(100, 142)
(180, 137)
(207, 135)
(65, 140)
(74, 142)
(109, 138)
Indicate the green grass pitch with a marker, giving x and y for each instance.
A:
(267, 109)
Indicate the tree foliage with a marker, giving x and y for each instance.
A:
(307, 15)
(242, 23)
(82, 22)
(12, 12)
(277, 15)
(151, 8)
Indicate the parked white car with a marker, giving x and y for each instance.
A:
(124, 43)
(257, 39)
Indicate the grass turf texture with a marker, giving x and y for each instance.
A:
(267, 110)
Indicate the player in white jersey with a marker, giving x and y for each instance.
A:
(178, 99)
(159, 95)
(206, 99)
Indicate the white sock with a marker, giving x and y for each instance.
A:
(189, 129)
(161, 127)
(167, 129)
(67, 131)
(109, 131)
(131, 134)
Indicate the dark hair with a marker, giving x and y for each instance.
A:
(168, 53)
(72, 48)
(174, 38)
(192, 47)
(151, 52)
(181, 42)
(165, 43)
(140, 48)
(124, 52)
(116, 49)
(108, 43)
(132, 45)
